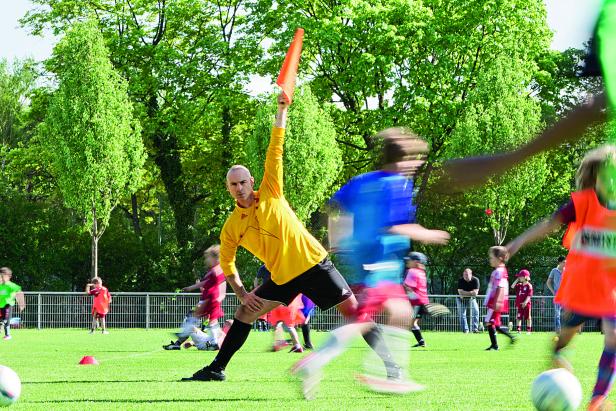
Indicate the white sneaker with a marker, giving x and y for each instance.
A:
(310, 375)
(91, 332)
(389, 385)
(7, 337)
(105, 332)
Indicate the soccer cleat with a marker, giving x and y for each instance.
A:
(310, 375)
(207, 374)
(308, 347)
(600, 403)
(171, 346)
(7, 337)
(297, 349)
(105, 332)
(492, 348)
(91, 332)
(392, 386)
(421, 344)
(209, 346)
(279, 345)
(560, 361)
(394, 372)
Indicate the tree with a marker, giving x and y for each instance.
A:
(312, 158)
(500, 115)
(91, 132)
(186, 63)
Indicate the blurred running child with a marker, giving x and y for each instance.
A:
(497, 296)
(416, 286)
(100, 304)
(523, 293)
(588, 286)
(9, 294)
(379, 206)
(287, 317)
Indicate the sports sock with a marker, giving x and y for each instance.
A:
(181, 340)
(6, 326)
(374, 338)
(606, 372)
(519, 328)
(529, 329)
(500, 330)
(215, 333)
(418, 336)
(306, 335)
(492, 333)
(236, 337)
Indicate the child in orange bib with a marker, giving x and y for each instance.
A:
(588, 286)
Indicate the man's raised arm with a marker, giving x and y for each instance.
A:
(273, 174)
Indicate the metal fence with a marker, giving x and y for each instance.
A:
(167, 310)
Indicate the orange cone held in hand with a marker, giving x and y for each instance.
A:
(288, 72)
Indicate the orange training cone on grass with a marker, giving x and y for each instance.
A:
(288, 72)
(88, 360)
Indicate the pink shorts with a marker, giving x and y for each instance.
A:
(493, 318)
(372, 300)
(524, 312)
(213, 311)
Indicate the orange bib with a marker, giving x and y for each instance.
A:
(588, 283)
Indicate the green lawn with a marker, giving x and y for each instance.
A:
(136, 374)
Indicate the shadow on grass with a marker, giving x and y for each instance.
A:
(91, 381)
(150, 401)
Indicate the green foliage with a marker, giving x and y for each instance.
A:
(501, 116)
(311, 157)
(96, 143)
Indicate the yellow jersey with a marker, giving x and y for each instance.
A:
(269, 228)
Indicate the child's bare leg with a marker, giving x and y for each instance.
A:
(94, 323)
(294, 337)
(529, 324)
(607, 363)
(103, 324)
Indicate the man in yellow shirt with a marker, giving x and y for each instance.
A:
(264, 224)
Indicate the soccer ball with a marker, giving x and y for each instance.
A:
(556, 390)
(10, 386)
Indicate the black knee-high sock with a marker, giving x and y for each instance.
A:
(180, 340)
(418, 336)
(374, 338)
(492, 333)
(7, 328)
(306, 335)
(236, 337)
(500, 330)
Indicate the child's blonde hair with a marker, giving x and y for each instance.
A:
(499, 252)
(6, 271)
(586, 176)
(96, 280)
(212, 251)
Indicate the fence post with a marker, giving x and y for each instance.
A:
(147, 311)
(38, 311)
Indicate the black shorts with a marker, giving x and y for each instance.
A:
(5, 313)
(322, 283)
(420, 310)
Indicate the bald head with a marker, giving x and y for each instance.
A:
(240, 185)
(237, 170)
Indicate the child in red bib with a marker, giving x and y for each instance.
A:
(523, 293)
(588, 286)
(100, 305)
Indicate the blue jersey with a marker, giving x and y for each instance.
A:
(377, 200)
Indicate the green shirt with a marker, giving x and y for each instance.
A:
(8, 291)
(606, 35)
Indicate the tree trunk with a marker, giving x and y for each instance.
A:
(135, 216)
(95, 238)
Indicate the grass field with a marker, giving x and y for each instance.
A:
(136, 374)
